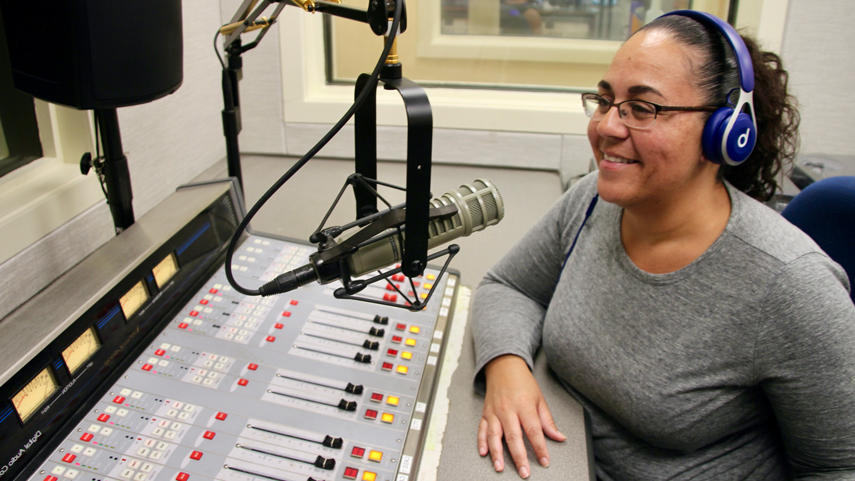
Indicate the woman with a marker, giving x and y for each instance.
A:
(707, 337)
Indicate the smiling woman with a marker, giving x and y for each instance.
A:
(694, 324)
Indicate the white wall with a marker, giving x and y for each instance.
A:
(818, 52)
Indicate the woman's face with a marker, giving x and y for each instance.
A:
(650, 167)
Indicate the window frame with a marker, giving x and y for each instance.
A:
(309, 98)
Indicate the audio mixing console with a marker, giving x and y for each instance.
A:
(170, 374)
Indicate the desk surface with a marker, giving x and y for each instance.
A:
(459, 458)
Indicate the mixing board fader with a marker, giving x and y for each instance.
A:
(301, 386)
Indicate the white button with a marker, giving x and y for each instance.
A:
(107, 431)
(197, 322)
(58, 470)
(229, 336)
(243, 332)
(126, 391)
(219, 366)
(158, 431)
(197, 379)
(137, 394)
(162, 446)
(89, 451)
(127, 473)
(170, 434)
(189, 408)
(110, 409)
(208, 297)
(152, 360)
(164, 423)
(156, 455)
(140, 477)
(143, 451)
(202, 372)
(172, 413)
(149, 443)
(208, 363)
(213, 374)
(70, 474)
(77, 448)
(177, 404)
(175, 348)
(94, 428)
(176, 426)
(224, 359)
(163, 363)
(218, 299)
(134, 464)
(147, 467)
(240, 338)
(165, 345)
(238, 323)
(206, 382)
(122, 413)
(185, 415)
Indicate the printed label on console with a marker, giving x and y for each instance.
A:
(406, 464)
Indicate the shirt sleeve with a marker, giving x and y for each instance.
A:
(805, 363)
(510, 303)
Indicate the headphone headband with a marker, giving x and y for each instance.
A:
(743, 57)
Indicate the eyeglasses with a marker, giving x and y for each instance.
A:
(636, 114)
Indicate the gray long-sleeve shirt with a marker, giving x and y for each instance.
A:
(740, 365)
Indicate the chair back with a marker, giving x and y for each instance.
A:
(825, 210)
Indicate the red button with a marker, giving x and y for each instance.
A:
(194, 313)
(104, 418)
(377, 397)
(400, 326)
(415, 284)
(118, 399)
(213, 291)
(204, 302)
(350, 473)
(279, 325)
(196, 455)
(243, 382)
(387, 366)
(86, 437)
(270, 338)
(252, 367)
(398, 277)
(209, 435)
(221, 416)
(159, 352)
(357, 452)
(392, 352)
(185, 476)
(397, 339)
(183, 325)
(68, 458)
(50, 478)
(390, 287)
(146, 367)
(286, 314)
(390, 297)
(371, 414)
(294, 302)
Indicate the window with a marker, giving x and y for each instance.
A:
(19, 131)
(530, 44)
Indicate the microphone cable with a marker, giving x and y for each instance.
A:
(372, 84)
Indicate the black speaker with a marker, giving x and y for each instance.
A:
(95, 54)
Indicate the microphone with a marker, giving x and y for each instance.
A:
(479, 205)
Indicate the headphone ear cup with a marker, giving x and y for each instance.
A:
(713, 133)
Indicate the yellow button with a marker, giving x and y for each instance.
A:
(423, 295)
(410, 342)
(415, 329)
(406, 355)
(375, 456)
(401, 369)
(392, 400)
(430, 277)
(369, 476)
(387, 418)
(427, 285)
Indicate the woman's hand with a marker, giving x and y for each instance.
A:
(513, 405)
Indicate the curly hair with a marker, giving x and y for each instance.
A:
(775, 110)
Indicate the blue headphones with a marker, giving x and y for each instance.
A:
(730, 134)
